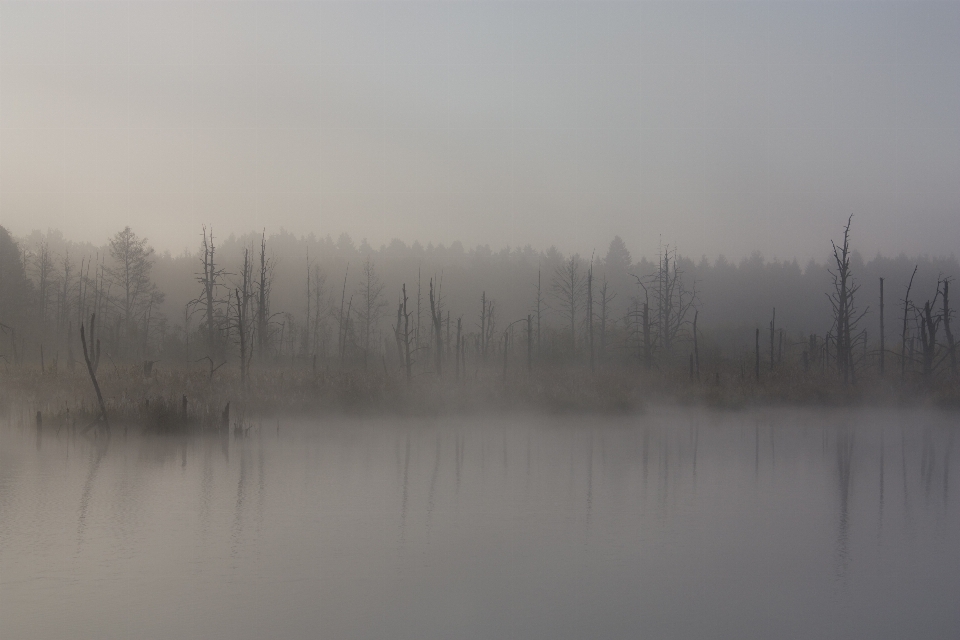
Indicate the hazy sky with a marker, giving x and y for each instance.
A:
(721, 126)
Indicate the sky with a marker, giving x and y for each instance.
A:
(721, 127)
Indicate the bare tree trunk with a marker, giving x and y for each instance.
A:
(436, 316)
(506, 340)
(529, 343)
(341, 330)
(951, 345)
(757, 366)
(772, 323)
(647, 342)
(263, 315)
(406, 335)
(539, 302)
(903, 344)
(696, 344)
(590, 315)
(91, 368)
(483, 326)
(882, 332)
(243, 340)
(459, 327)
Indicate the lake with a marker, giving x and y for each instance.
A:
(676, 523)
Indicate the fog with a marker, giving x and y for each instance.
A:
(717, 127)
(484, 319)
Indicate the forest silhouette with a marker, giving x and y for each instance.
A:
(352, 327)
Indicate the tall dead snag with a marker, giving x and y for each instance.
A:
(644, 328)
(845, 314)
(242, 330)
(605, 299)
(929, 323)
(773, 321)
(263, 299)
(674, 301)
(483, 325)
(320, 309)
(539, 302)
(436, 317)
(209, 278)
(951, 345)
(92, 367)
(590, 314)
(757, 365)
(459, 345)
(529, 342)
(306, 325)
(403, 336)
(372, 307)
(568, 288)
(506, 343)
(903, 343)
(696, 344)
(341, 327)
(882, 331)
(488, 324)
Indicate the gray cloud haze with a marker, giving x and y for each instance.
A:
(722, 127)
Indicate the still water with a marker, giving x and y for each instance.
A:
(671, 524)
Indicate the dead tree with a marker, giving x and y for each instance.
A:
(757, 365)
(459, 345)
(945, 315)
(590, 314)
(906, 311)
(488, 324)
(306, 325)
(644, 329)
(843, 301)
(92, 367)
(436, 317)
(372, 306)
(529, 343)
(674, 301)
(568, 289)
(606, 298)
(341, 338)
(210, 280)
(321, 306)
(403, 336)
(263, 299)
(882, 331)
(773, 321)
(539, 302)
(242, 331)
(929, 324)
(696, 344)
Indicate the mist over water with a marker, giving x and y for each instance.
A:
(674, 523)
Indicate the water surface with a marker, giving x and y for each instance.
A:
(675, 523)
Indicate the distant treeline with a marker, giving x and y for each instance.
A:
(330, 303)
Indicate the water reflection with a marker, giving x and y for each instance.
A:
(675, 523)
